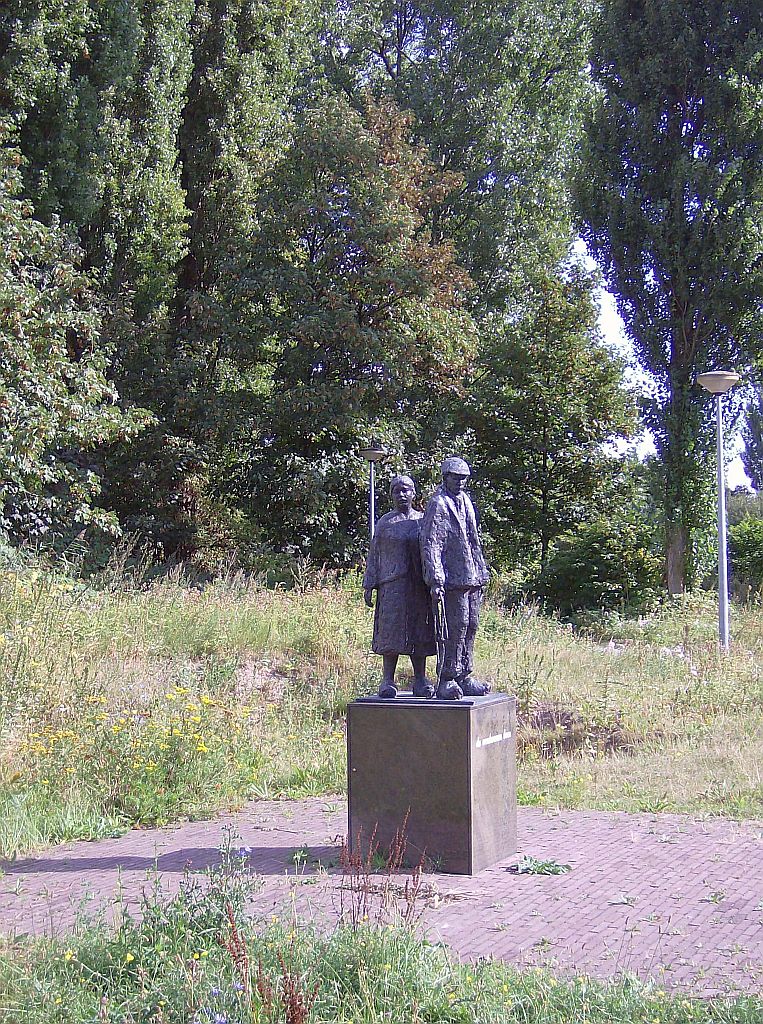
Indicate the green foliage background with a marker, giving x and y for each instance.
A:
(259, 234)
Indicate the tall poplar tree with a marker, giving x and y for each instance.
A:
(670, 193)
(56, 403)
(245, 58)
(96, 90)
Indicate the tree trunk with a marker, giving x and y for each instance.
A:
(676, 542)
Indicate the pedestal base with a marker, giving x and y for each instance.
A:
(446, 768)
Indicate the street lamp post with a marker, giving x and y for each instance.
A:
(718, 382)
(372, 455)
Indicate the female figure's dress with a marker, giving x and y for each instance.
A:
(403, 620)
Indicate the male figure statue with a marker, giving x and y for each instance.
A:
(456, 574)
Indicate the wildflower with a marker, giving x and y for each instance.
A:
(129, 957)
(170, 696)
(69, 955)
(202, 748)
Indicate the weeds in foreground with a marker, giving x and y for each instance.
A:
(371, 889)
(197, 958)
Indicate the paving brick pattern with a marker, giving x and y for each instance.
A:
(661, 896)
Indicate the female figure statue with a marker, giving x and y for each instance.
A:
(403, 619)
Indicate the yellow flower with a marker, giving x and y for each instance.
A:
(170, 696)
(129, 958)
(202, 747)
(69, 955)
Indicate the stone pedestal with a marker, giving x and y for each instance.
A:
(449, 766)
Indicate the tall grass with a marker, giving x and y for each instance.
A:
(153, 703)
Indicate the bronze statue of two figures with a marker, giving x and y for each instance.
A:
(429, 575)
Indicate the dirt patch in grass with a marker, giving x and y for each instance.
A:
(550, 728)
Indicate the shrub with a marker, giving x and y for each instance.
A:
(607, 564)
(746, 544)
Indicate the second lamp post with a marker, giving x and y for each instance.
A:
(718, 382)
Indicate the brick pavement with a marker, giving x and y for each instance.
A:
(661, 896)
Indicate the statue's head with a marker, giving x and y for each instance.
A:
(402, 490)
(455, 473)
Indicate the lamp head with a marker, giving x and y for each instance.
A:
(374, 452)
(718, 382)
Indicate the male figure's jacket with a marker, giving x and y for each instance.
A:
(451, 553)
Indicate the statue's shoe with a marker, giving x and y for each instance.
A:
(423, 688)
(472, 688)
(449, 690)
(387, 691)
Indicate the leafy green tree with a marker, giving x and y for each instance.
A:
(670, 192)
(361, 310)
(546, 397)
(496, 91)
(56, 404)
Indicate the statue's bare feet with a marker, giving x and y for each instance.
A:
(423, 688)
(472, 688)
(449, 690)
(387, 690)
